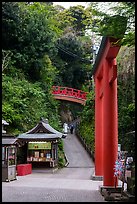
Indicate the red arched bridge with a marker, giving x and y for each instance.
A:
(69, 94)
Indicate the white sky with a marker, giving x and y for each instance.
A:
(68, 4)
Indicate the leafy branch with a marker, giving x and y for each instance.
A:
(6, 58)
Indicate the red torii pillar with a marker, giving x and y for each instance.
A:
(106, 113)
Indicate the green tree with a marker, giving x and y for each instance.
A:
(74, 46)
(72, 51)
(110, 20)
(35, 33)
(10, 22)
(82, 19)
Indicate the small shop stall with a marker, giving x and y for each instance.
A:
(9, 155)
(42, 145)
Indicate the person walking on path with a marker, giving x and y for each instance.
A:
(71, 129)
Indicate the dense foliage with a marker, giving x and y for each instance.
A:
(126, 99)
(115, 19)
(86, 128)
(24, 103)
(28, 73)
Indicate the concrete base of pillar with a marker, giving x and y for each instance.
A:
(115, 194)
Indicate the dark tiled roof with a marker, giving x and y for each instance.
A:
(41, 131)
(51, 129)
(44, 126)
(8, 141)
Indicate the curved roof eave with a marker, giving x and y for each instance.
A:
(38, 136)
(41, 131)
(45, 126)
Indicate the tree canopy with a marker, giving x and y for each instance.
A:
(114, 18)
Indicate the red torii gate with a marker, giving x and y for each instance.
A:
(106, 113)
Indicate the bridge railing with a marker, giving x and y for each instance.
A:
(58, 90)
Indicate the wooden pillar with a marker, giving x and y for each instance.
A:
(110, 122)
(98, 126)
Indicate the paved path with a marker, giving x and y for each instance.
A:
(70, 184)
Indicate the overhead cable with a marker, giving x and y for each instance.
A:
(72, 54)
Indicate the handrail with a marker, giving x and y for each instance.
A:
(70, 92)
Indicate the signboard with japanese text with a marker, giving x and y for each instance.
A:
(39, 145)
